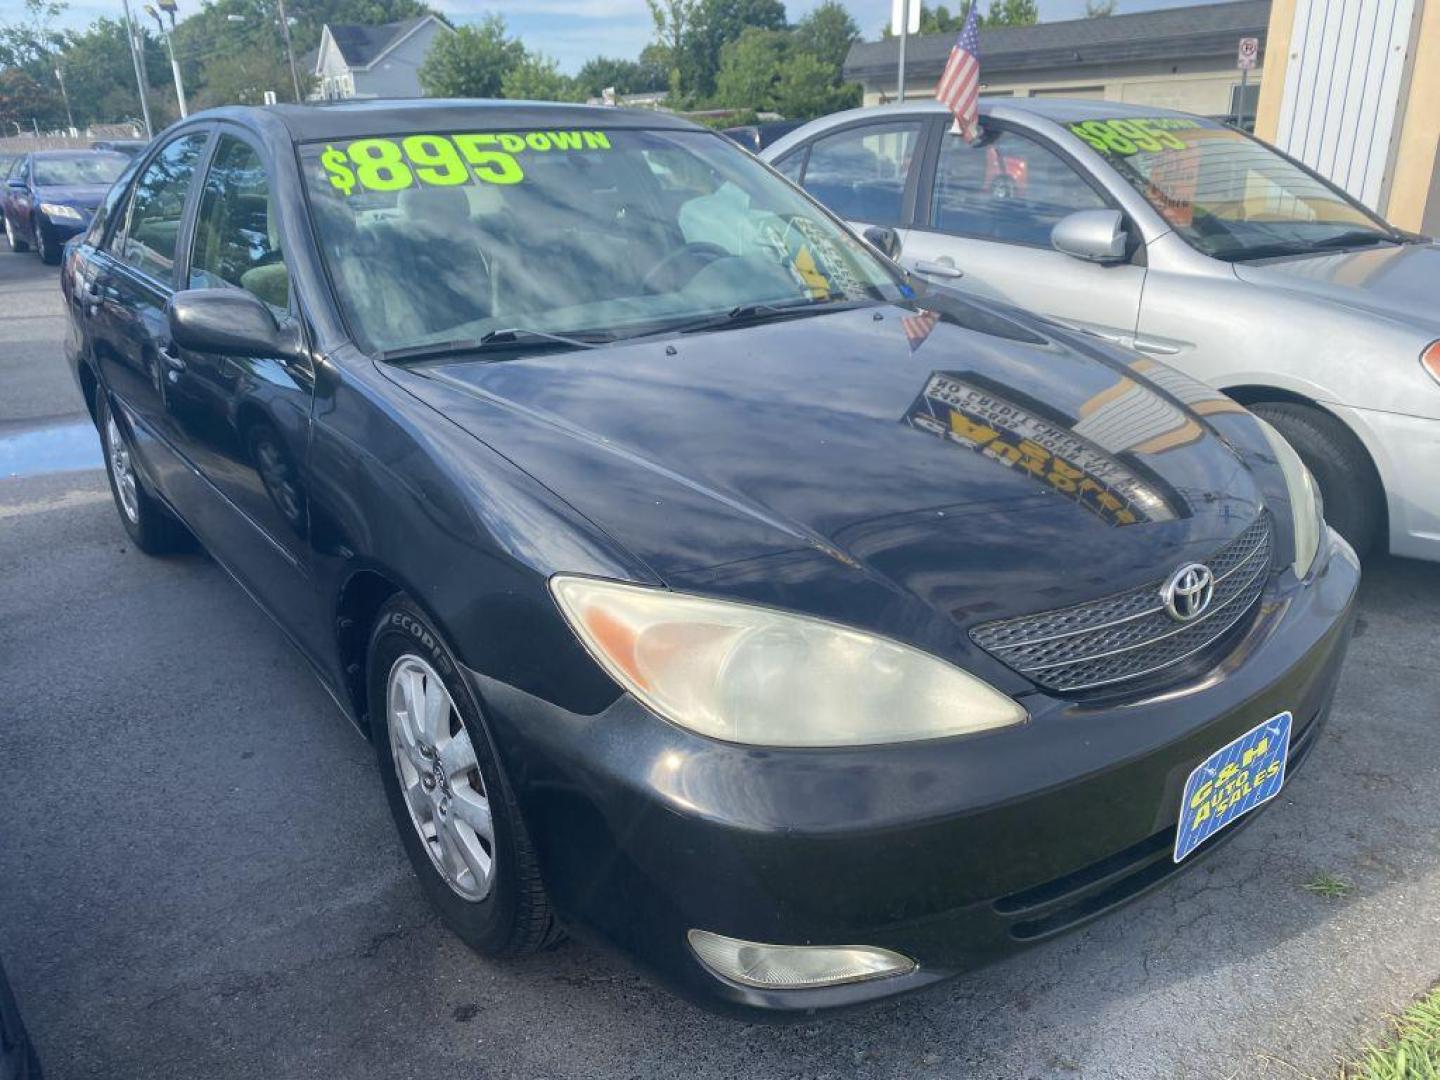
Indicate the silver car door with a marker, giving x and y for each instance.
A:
(986, 230)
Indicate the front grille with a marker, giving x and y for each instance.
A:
(1129, 634)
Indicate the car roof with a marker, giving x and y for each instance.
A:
(1055, 110)
(355, 119)
(58, 155)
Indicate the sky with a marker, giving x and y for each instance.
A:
(572, 31)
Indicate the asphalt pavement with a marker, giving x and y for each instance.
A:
(199, 876)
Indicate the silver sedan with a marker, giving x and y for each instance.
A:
(1185, 240)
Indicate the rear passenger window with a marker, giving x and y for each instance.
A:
(1006, 187)
(157, 205)
(237, 235)
(860, 172)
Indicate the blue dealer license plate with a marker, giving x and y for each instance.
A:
(1231, 782)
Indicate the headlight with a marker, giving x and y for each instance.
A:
(1307, 512)
(56, 210)
(767, 678)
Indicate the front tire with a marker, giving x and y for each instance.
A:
(152, 528)
(46, 246)
(457, 816)
(1349, 484)
(16, 244)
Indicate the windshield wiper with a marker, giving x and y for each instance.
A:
(492, 340)
(1354, 238)
(758, 312)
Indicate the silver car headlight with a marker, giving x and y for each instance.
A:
(59, 210)
(1306, 509)
(768, 678)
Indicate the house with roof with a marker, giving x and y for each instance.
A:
(1178, 58)
(358, 61)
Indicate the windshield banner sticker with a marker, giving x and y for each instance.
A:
(445, 160)
(969, 414)
(1147, 134)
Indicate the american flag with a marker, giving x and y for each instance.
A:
(959, 86)
(917, 327)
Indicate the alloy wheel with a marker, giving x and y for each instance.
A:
(440, 777)
(123, 470)
(10, 234)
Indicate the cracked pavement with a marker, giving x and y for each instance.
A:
(199, 876)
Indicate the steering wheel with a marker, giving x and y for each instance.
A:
(700, 252)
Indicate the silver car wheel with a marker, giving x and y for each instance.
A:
(123, 471)
(440, 778)
(10, 234)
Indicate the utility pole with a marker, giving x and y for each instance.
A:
(60, 78)
(904, 33)
(169, 6)
(289, 49)
(139, 70)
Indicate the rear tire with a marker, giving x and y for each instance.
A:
(152, 528)
(16, 244)
(1349, 484)
(501, 909)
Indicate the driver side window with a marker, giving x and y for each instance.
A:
(1006, 187)
(237, 233)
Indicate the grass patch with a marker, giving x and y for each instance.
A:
(1413, 1052)
(1328, 886)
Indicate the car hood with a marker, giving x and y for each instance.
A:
(84, 196)
(1401, 281)
(981, 463)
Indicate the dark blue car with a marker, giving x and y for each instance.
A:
(51, 195)
(705, 588)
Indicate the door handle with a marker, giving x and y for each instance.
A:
(942, 267)
(172, 361)
(1157, 348)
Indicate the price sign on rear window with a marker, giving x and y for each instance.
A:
(1134, 135)
(490, 157)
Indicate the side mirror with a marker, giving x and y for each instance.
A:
(884, 238)
(228, 322)
(1094, 235)
(16, 182)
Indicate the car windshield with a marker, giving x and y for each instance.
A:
(1229, 195)
(79, 170)
(450, 237)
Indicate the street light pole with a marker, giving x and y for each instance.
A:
(69, 116)
(170, 48)
(904, 33)
(139, 70)
(289, 49)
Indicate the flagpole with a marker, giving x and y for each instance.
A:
(904, 33)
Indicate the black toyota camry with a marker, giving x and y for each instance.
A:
(706, 589)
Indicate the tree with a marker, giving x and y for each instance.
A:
(626, 76)
(715, 24)
(537, 78)
(827, 33)
(472, 62)
(750, 69)
(1012, 13)
(672, 23)
(1098, 9)
(23, 100)
(808, 88)
(939, 20)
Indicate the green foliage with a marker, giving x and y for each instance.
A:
(22, 98)
(472, 62)
(1012, 13)
(537, 78)
(1328, 885)
(1412, 1052)
(673, 21)
(808, 88)
(769, 71)
(1098, 9)
(626, 76)
(714, 25)
(827, 33)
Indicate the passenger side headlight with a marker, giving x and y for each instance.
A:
(768, 678)
(1306, 509)
(57, 210)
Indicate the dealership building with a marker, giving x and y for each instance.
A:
(1181, 58)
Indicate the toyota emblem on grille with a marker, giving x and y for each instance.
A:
(1188, 593)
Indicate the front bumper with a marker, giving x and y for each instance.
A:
(950, 852)
(1406, 450)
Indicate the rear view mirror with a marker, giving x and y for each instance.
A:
(1094, 235)
(16, 182)
(884, 238)
(228, 322)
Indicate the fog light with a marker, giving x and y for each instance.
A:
(794, 967)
